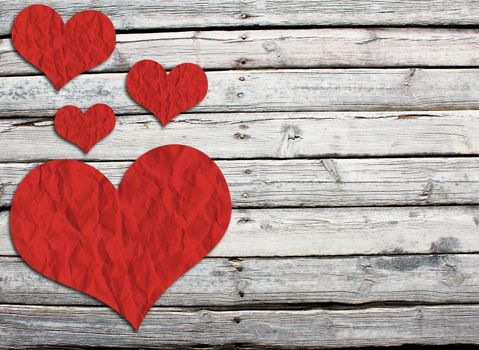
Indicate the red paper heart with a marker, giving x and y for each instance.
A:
(85, 129)
(62, 51)
(166, 95)
(123, 247)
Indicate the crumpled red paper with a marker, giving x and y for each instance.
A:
(62, 51)
(125, 247)
(166, 95)
(85, 129)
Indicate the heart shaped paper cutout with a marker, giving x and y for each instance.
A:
(85, 129)
(62, 51)
(125, 247)
(166, 95)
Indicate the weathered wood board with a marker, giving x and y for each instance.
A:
(177, 14)
(320, 182)
(259, 135)
(295, 48)
(295, 232)
(253, 281)
(263, 91)
(174, 327)
(348, 134)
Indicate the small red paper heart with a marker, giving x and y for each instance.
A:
(166, 95)
(85, 129)
(62, 51)
(123, 247)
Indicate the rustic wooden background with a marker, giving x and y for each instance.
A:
(348, 132)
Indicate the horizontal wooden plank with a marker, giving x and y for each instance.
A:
(258, 135)
(150, 14)
(337, 231)
(223, 282)
(321, 182)
(289, 48)
(263, 90)
(83, 326)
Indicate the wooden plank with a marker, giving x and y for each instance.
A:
(385, 326)
(337, 231)
(151, 14)
(252, 281)
(321, 182)
(290, 48)
(269, 90)
(258, 135)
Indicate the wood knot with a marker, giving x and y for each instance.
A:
(244, 220)
(236, 263)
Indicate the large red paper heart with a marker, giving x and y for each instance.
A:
(166, 95)
(123, 247)
(62, 51)
(84, 129)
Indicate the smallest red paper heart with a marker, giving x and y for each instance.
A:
(166, 95)
(85, 129)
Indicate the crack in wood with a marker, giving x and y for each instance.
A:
(331, 168)
(408, 79)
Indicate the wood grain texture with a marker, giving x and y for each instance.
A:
(253, 281)
(263, 90)
(287, 48)
(351, 155)
(337, 231)
(258, 135)
(151, 14)
(168, 327)
(321, 182)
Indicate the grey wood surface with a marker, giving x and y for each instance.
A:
(296, 48)
(295, 232)
(365, 231)
(259, 135)
(261, 282)
(310, 328)
(347, 132)
(272, 90)
(320, 182)
(174, 14)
